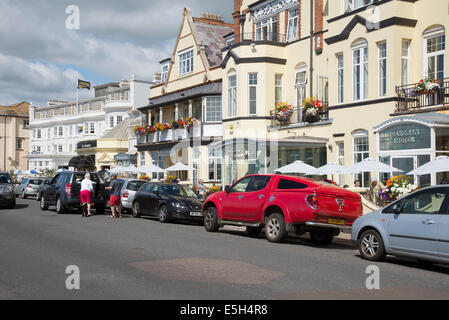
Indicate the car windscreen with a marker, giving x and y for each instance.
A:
(77, 177)
(35, 181)
(179, 191)
(5, 178)
(134, 185)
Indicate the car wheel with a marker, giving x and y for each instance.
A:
(322, 237)
(136, 210)
(211, 220)
(253, 231)
(23, 195)
(371, 246)
(43, 205)
(275, 229)
(59, 207)
(163, 214)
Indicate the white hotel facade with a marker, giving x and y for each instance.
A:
(60, 128)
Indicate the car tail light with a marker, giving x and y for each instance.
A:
(29, 186)
(312, 201)
(126, 194)
(68, 189)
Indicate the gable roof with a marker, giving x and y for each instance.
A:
(120, 131)
(211, 37)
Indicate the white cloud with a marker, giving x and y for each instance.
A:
(117, 39)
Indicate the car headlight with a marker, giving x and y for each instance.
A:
(179, 205)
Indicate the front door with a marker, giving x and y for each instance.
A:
(415, 229)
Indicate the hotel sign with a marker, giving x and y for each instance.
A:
(272, 8)
(405, 137)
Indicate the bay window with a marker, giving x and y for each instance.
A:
(360, 71)
(252, 93)
(232, 95)
(382, 48)
(278, 88)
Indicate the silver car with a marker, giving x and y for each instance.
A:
(129, 189)
(28, 187)
(7, 196)
(416, 226)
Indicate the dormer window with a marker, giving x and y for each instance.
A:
(186, 62)
(164, 72)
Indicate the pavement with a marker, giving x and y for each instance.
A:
(143, 259)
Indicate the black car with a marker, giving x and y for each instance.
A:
(43, 186)
(63, 191)
(7, 195)
(167, 202)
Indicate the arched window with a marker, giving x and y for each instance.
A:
(434, 48)
(361, 152)
(300, 83)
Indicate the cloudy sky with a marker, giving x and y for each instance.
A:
(40, 59)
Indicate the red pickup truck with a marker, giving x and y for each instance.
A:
(283, 205)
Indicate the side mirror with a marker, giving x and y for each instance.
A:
(397, 209)
(227, 189)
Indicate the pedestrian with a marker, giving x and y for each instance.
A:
(85, 195)
(202, 189)
(115, 196)
(357, 184)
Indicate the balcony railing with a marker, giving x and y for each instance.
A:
(412, 100)
(299, 117)
(170, 135)
(257, 36)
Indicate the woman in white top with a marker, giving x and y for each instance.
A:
(85, 195)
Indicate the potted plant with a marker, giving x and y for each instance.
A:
(312, 109)
(283, 112)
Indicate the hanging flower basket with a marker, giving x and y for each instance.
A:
(312, 109)
(426, 87)
(283, 112)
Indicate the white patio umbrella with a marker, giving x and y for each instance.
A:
(298, 167)
(151, 168)
(440, 164)
(332, 168)
(131, 169)
(116, 170)
(180, 167)
(371, 165)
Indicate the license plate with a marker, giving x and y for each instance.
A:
(336, 221)
(196, 214)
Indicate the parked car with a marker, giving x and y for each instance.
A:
(28, 187)
(283, 205)
(42, 186)
(416, 226)
(63, 191)
(7, 195)
(128, 192)
(167, 202)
